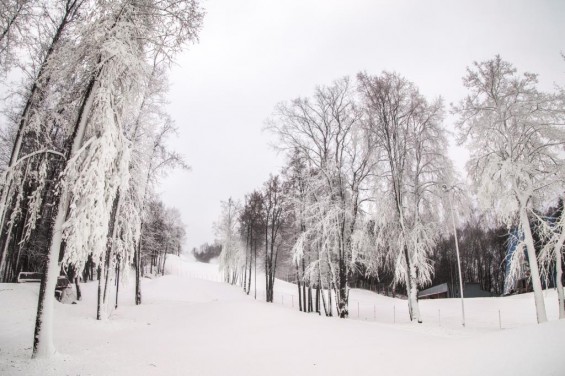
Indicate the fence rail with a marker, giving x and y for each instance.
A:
(383, 313)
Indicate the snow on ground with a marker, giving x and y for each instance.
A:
(191, 324)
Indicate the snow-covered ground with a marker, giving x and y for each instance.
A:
(192, 324)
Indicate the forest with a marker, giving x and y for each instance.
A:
(368, 196)
(84, 141)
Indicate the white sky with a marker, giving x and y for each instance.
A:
(255, 53)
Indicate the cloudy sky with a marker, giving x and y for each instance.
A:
(253, 54)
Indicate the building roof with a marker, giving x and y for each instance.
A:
(434, 290)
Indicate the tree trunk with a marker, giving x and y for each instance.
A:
(245, 270)
(330, 307)
(117, 282)
(411, 289)
(322, 290)
(247, 258)
(559, 279)
(255, 271)
(559, 269)
(110, 243)
(299, 288)
(138, 270)
(99, 293)
(318, 298)
(4, 256)
(164, 260)
(343, 293)
(249, 270)
(303, 287)
(43, 335)
(532, 259)
(77, 286)
(43, 338)
(310, 307)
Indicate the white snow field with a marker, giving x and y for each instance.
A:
(192, 324)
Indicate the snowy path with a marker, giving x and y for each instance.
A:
(190, 326)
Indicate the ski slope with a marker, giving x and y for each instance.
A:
(192, 324)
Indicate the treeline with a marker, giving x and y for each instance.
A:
(367, 194)
(84, 141)
(206, 252)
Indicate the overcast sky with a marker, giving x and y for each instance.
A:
(253, 54)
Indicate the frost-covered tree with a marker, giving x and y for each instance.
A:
(516, 137)
(149, 131)
(256, 203)
(228, 235)
(163, 233)
(298, 195)
(15, 17)
(116, 41)
(98, 159)
(38, 122)
(274, 214)
(551, 230)
(326, 130)
(411, 147)
(251, 221)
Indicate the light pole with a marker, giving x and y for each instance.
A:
(446, 189)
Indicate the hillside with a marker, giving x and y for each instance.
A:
(191, 324)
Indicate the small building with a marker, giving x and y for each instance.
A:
(435, 292)
(470, 290)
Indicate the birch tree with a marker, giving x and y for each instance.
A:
(515, 134)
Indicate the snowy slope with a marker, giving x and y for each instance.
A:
(197, 326)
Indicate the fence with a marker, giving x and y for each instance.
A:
(445, 316)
